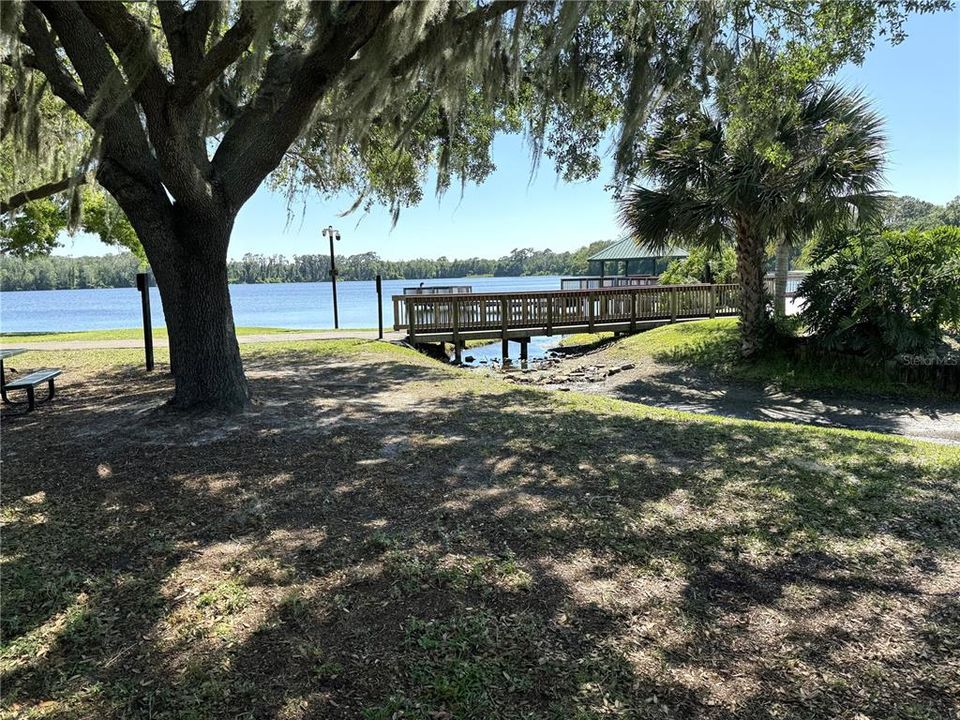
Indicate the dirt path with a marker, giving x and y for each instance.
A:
(672, 386)
(242, 339)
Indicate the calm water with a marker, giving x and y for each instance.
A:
(287, 305)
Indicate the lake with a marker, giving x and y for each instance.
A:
(282, 305)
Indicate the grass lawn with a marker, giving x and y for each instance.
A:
(585, 340)
(713, 345)
(385, 537)
(122, 334)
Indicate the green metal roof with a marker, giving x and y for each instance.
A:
(629, 249)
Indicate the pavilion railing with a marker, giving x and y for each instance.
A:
(553, 310)
(438, 290)
(587, 282)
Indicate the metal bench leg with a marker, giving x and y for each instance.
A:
(30, 401)
(51, 391)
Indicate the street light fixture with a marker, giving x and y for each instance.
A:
(333, 234)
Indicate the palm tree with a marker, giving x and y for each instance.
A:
(820, 167)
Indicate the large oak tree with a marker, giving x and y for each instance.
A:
(189, 107)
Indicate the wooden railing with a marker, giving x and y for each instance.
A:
(794, 278)
(588, 282)
(438, 290)
(554, 310)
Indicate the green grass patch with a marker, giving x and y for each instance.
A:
(585, 340)
(714, 345)
(126, 334)
(88, 360)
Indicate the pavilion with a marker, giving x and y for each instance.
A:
(627, 257)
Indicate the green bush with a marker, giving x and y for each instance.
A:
(881, 294)
(701, 266)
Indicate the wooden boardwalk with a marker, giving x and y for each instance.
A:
(521, 315)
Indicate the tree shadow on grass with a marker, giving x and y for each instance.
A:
(382, 537)
(699, 391)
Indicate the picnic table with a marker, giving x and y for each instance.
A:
(27, 382)
(4, 354)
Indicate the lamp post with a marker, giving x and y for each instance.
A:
(333, 234)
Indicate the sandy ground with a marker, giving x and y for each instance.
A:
(667, 385)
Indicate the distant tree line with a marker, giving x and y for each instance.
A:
(905, 212)
(53, 272)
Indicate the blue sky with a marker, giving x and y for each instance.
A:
(915, 85)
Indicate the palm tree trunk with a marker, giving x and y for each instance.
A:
(780, 279)
(750, 255)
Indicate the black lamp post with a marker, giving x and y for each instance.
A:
(333, 234)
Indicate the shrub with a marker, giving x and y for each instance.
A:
(881, 294)
(694, 268)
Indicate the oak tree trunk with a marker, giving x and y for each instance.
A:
(192, 280)
(750, 256)
(207, 368)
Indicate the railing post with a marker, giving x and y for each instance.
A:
(504, 343)
(411, 322)
(379, 307)
(673, 304)
(634, 296)
(456, 331)
(590, 311)
(549, 315)
(143, 285)
(713, 301)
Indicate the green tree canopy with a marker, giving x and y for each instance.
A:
(905, 212)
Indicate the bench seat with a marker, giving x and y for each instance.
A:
(31, 380)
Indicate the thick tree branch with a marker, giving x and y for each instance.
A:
(87, 52)
(130, 39)
(227, 51)
(44, 59)
(463, 25)
(186, 32)
(40, 192)
(277, 115)
(124, 140)
(171, 14)
(180, 150)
